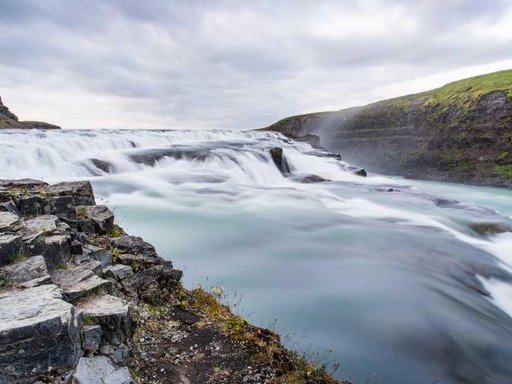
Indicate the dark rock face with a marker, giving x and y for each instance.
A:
(279, 160)
(420, 136)
(10, 120)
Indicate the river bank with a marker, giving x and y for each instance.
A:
(80, 300)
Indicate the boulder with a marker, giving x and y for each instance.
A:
(134, 245)
(118, 271)
(149, 283)
(100, 370)
(57, 250)
(9, 222)
(38, 332)
(91, 338)
(101, 218)
(112, 314)
(11, 245)
(80, 281)
(23, 183)
(30, 272)
(279, 160)
(361, 172)
(81, 191)
(92, 252)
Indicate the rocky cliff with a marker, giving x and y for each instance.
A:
(460, 132)
(10, 120)
(82, 302)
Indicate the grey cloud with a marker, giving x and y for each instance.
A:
(233, 64)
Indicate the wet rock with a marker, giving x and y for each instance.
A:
(30, 272)
(9, 222)
(312, 179)
(11, 245)
(102, 165)
(118, 271)
(486, 229)
(100, 370)
(279, 160)
(361, 172)
(100, 216)
(91, 338)
(81, 281)
(81, 191)
(103, 255)
(112, 314)
(38, 332)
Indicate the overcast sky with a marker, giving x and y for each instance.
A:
(235, 64)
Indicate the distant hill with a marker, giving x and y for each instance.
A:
(460, 132)
(10, 120)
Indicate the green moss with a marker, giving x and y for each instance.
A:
(115, 231)
(89, 320)
(503, 171)
(19, 256)
(4, 279)
(466, 93)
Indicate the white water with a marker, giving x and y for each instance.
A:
(371, 253)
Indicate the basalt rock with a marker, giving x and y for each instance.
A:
(38, 330)
(279, 160)
(27, 273)
(95, 219)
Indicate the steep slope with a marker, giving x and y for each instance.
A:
(10, 120)
(459, 132)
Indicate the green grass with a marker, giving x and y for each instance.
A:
(466, 93)
(503, 171)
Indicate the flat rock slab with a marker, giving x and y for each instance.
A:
(46, 224)
(27, 273)
(100, 370)
(81, 281)
(9, 222)
(81, 191)
(113, 314)
(38, 330)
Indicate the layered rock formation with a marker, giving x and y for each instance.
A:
(460, 132)
(82, 302)
(10, 120)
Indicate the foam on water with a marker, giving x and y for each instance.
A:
(232, 173)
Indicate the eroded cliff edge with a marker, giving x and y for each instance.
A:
(10, 120)
(83, 302)
(460, 132)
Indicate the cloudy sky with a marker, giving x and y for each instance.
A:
(235, 64)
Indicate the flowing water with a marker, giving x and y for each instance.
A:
(387, 274)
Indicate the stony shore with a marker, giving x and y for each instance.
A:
(83, 302)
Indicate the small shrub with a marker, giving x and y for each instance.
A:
(115, 231)
(4, 279)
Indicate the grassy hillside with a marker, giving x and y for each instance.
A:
(461, 131)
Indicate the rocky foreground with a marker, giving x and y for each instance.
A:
(83, 302)
(460, 132)
(10, 121)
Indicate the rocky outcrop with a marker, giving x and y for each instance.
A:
(460, 132)
(83, 302)
(10, 120)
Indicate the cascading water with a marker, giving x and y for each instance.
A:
(395, 277)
